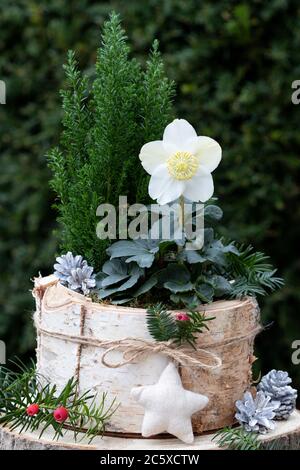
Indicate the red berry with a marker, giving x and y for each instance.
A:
(61, 414)
(182, 317)
(33, 409)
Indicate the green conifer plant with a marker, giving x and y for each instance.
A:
(105, 122)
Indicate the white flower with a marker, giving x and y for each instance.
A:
(181, 164)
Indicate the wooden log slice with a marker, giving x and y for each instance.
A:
(286, 436)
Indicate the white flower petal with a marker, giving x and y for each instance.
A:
(207, 150)
(152, 155)
(159, 179)
(178, 133)
(171, 192)
(200, 188)
(163, 187)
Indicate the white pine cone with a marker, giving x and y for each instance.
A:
(256, 414)
(82, 280)
(276, 385)
(74, 272)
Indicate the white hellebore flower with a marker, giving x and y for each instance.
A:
(181, 164)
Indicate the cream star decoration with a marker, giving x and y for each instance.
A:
(168, 406)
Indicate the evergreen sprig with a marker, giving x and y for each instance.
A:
(25, 387)
(163, 326)
(252, 273)
(187, 330)
(237, 439)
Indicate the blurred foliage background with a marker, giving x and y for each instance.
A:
(233, 63)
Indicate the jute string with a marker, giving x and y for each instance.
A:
(135, 349)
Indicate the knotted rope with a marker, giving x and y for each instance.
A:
(134, 349)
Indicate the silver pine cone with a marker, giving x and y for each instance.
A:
(74, 272)
(256, 414)
(276, 385)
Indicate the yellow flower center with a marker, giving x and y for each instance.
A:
(182, 165)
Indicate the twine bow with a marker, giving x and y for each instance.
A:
(134, 349)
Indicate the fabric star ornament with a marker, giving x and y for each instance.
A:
(181, 164)
(168, 406)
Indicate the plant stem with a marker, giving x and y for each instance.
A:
(181, 219)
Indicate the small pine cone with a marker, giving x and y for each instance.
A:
(276, 385)
(82, 279)
(64, 265)
(256, 414)
(74, 272)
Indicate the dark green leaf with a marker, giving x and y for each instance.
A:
(120, 275)
(151, 282)
(140, 251)
(204, 291)
(214, 252)
(213, 212)
(176, 278)
(221, 285)
(189, 300)
(191, 256)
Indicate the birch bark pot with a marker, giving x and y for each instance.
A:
(63, 311)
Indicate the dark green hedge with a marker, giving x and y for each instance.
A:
(234, 63)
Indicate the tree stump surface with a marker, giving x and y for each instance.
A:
(286, 436)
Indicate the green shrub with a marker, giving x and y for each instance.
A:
(104, 130)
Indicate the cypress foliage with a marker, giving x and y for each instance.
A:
(103, 132)
(156, 108)
(115, 98)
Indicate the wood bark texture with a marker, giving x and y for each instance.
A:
(61, 310)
